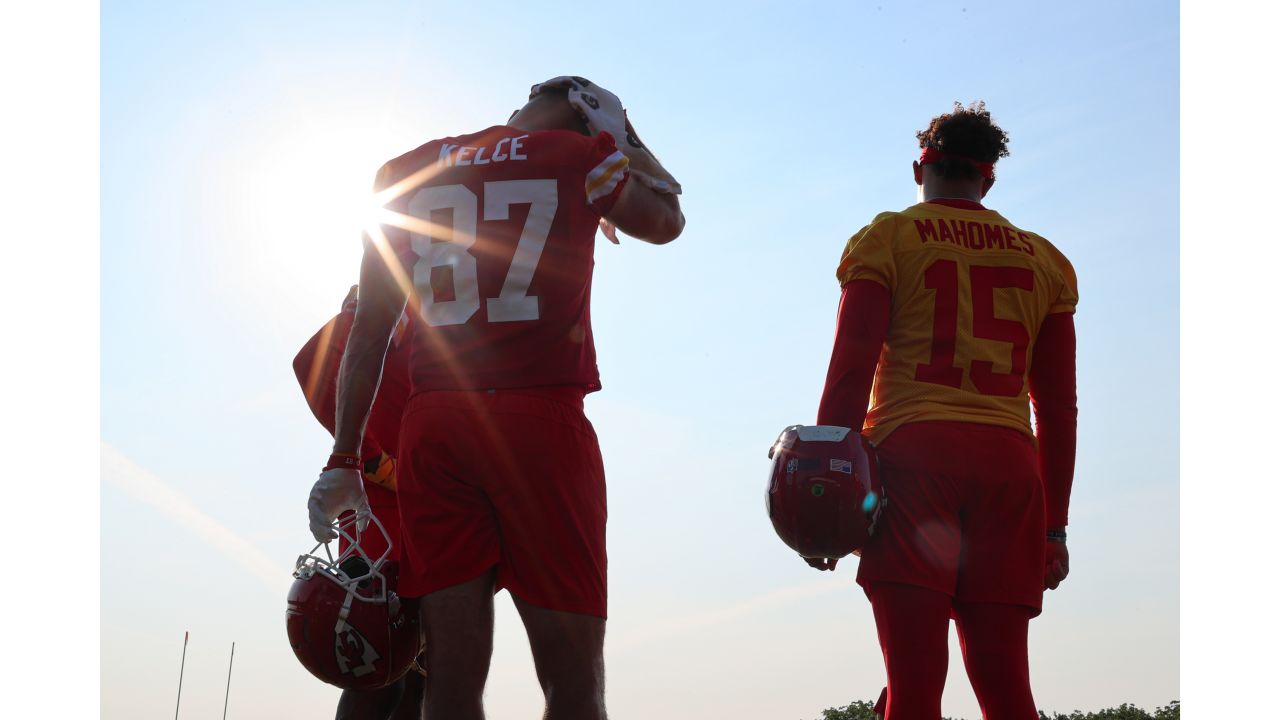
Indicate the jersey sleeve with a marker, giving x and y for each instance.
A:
(861, 326)
(1053, 396)
(606, 173)
(869, 254)
(1069, 294)
(316, 367)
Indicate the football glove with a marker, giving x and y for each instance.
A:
(336, 491)
(603, 112)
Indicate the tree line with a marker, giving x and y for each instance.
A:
(860, 710)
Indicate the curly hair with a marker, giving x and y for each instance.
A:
(968, 133)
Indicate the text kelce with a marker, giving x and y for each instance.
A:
(461, 155)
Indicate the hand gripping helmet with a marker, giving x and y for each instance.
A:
(346, 624)
(824, 494)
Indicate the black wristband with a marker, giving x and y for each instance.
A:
(1056, 536)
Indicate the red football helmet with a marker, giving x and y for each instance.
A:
(346, 624)
(824, 495)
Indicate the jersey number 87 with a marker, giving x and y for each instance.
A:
(513, 302)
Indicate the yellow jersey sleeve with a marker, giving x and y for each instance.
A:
(1069, 294)
(869, 254)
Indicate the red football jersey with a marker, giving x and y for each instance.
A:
(496, 232)
(316, 367)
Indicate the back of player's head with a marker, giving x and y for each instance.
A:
(549, 109)
(964, 134)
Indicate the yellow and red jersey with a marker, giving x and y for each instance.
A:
(968, 293)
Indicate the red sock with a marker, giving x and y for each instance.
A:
(912, 624)
(993, 640)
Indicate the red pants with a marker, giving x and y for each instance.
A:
(965, 515)
(912, 624)
(962, 537)
(511, 478)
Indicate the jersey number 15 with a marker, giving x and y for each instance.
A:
(942, 278)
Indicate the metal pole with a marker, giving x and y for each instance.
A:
(228, 695)
(186, 635)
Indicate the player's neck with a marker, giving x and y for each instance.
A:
(957, 203)
(532, 119)
(950, 191)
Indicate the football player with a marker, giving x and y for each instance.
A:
(960, 321)
(489, 236)
(316, 367)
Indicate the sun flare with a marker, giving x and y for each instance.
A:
(308, 196)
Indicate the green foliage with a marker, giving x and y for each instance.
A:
(1172, 711)
(859, 710)
(856, 710)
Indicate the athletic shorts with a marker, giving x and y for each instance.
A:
(383, 505)
(508, 478)
(965, 515)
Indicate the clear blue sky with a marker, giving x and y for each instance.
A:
(237, 138)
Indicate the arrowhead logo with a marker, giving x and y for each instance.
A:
(354, 654)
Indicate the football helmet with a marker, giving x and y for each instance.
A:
(824, 495)
(345, 622)
(603, 112)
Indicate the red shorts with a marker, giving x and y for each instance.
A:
(511, 478)
(384, 506)
(965, 515)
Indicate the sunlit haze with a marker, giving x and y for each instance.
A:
(239, 147)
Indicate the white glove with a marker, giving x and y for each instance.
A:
(603, 111)
(335, 492)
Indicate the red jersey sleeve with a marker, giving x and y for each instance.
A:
(1052, 379)
(606, 173)
(316, 367)
(861, 327)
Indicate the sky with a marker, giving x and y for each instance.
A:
(238, 141)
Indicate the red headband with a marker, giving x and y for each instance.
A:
(933, 155)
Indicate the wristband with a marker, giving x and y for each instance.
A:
(1056, 536)
(345, 461)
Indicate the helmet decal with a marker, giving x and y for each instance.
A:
(355, 655)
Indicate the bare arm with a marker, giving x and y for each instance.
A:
(382, 300)
(647, 215)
